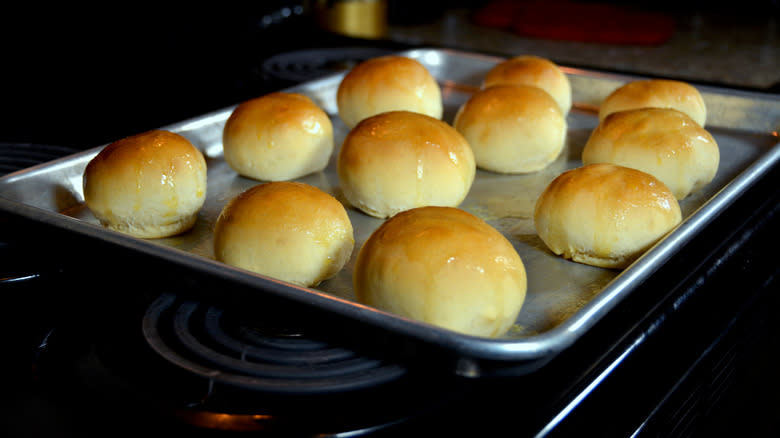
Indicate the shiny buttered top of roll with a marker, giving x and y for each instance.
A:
(656, 93)
(535, 71)
(443, 266)
(663, 142)
(286, 230)
(400, 160)
(149, 185)
(512, 128)
(277, 137)
(388, 83)
(604, 215)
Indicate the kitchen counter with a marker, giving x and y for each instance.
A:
(718, 48)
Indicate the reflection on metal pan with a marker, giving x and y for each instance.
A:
(564, 298)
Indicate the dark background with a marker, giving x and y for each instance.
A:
(85, 76)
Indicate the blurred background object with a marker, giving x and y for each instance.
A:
(705, 42)
(356, 18)
(569, 20)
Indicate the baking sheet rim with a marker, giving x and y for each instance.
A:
(538, 346)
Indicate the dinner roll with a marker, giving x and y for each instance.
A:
(388, 83)
(276, 137)
(399, 160)
(532, 70)
(604, 215)
(656, 93)
(663, 142)
(149, 185)
(512, 128)
(287, 230)
(443, 266)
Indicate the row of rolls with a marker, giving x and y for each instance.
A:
(429, 260)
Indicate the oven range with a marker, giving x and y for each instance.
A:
(103, 341)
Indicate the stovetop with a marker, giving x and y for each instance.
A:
(154, 359)
(108, 351)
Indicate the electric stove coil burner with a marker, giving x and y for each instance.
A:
(17, 156)
(305, 65)
(204, 341)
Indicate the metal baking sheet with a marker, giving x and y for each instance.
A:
(564, 298)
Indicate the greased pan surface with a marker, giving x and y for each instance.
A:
(564, 298)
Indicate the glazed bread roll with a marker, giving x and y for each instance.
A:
(287, 230)
(604, 215)
(276, 137)
(399, 160)
(656, 93)
(535, 71)
(388, 83)
(149, 185)
(663, 142)
(443, 266)
(512, 128)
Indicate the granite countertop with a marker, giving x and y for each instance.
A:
(741, 51)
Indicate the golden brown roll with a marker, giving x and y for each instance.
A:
(399, 160)
(604, 215)
(388, 83)
(535, 71)
(443, 266)
(656, 93)
(149, 185)
(663, 142)
(512, 128)
(277, 137)
(286, 230)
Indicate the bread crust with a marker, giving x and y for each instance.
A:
(148, 185)
(400, 160)
(604, 215)
(536, 71)
(512, 128)
(388, 83)
(663, 142)
(287, 230)
(656, 93)
(443, 266)
(279, 136)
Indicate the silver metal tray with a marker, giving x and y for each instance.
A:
(564, 298)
